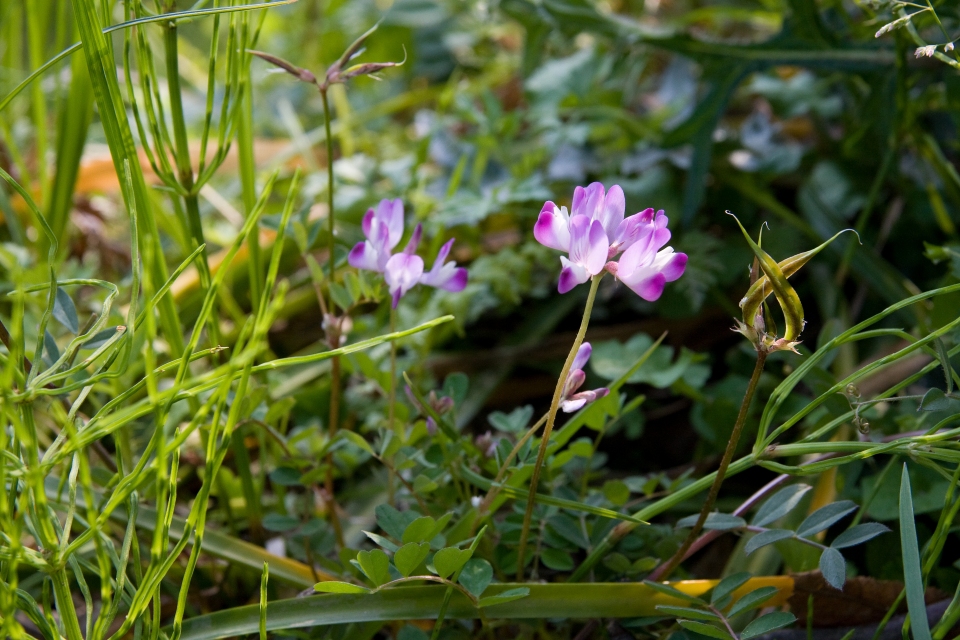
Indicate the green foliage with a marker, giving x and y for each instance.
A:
(196, 389)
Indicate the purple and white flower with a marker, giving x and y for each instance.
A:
(445, 275)
(596, 231)
(383, 228)
(646, 268)
(572, 400)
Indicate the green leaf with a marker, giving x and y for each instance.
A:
(455, 386)
(380, 541)
(687, 612)
(616, 491)
(612, 359)
(825, 516)
(408, 557)
(425, 528)
(556, 559)
(833, 567)
(424, 484)
(753, 599)
(506, 596)
(764, 538)
(860, 533)
(573, 505)
(280, 523)
(341, 296)
(674, 593)
(358, 440)
(513, 422)
(912, 575)
(420, 530)
(352, 283)
(935, 400)
(705, 629)
(286, 477)
(476, 576)
(100, 338)
(392, 521)
(375, 565)
(65, 311)
(715, 521)
(728, 585)
(766, 624)
(450, 560)
(50, 349)
(339, 587)
(780, 504)
(944, 358)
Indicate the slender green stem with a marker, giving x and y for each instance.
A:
(496, 486)
(184, 168)
(182, 149)
(392, 394)
(334, 336)
(330, 218)
(721, 472)
(551, 418)
(248, 190)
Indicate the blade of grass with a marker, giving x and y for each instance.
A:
(577, 601)
(912, 575)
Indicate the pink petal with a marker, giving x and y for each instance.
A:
(367, 222)
(673, 265)
(588, 244)
(402, 272)
(571, 275)
(611, 214)
(552, 228)
(583, 355)
(633, 229)
(445, 276)
(363, 256)
(456, 282)
(444, 252)
(649, 288)
(414, 241)
(587, 202)
(660, 238)
(575, 380)
(569, 406)
(391, 213)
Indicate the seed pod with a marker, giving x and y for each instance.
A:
(762, 288)
(785, 293)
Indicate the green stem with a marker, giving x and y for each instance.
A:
(551, 418)
(335, 330)
(722, 471)
(249, 191)
(182, 149)
(184, 168)
(391, 402)
(330, 218)
(392, 396)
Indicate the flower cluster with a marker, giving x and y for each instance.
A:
(595, 231)
(383, 228)
(573, 400)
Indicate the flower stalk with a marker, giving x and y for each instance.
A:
(722, 471)
(551, 419)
